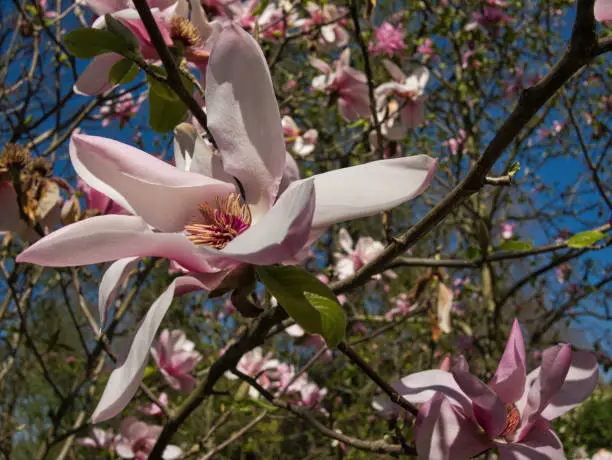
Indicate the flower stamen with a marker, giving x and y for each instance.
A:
(221, 224)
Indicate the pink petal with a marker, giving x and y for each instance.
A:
(579, 383)
(192, 154)
(280, 234)
(553, 371)
(125, 379)
(509, 379)
(395, 71)
(101, 7)
(489, 410)
(94, 79)
(345, 241)
(603, 10)
(166, 197)
(111, 237)
(447, 434)
(413, 113)
(365, 190)
(291, 174)
(111, 281)
(540, 444)
(243, 116)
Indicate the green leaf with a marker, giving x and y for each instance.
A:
(86, 43)
(122, 31)
(164, 115)
(122, 72)
(149, 370)
(472, 253)
(585, 239)
(307, 300)
(514, 168)
(515, 246)
(162, 89)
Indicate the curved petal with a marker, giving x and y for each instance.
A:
(111, 237)
(579, 383)
(445, 433)
(489, 410)
(94, 79)
(280, 234)
(603, 10)
(368, 189)
(540, 444)
(125, 379)
(113, 278)
(163, 195)
(243, 116)
(101, 7)
(345, 241)
(420, 387)
(291, 174)
(553, 371)
(509, 379)
(395, 71)
(172, 452)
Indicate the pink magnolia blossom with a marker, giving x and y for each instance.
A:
(315, 341)
(426, 48)
(348, 85)
(193, 34)
(176, 357)
(123, 108)
(401, 101)
(403, 306)
(507, 230)
(457, 144)
(602, 454)
(389, 40)
(99, 439)
(272, 22)
(462, 416)
(468, 60)
(311, 395)
(563, 272)
(270, 218)
(258, 366)
(366, 250)
(153, 409)
(98, 202)
(603, 10)
(302, 144)
(332, 34)
(136, 440)
(491, 19)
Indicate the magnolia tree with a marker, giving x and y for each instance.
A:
(276, 229)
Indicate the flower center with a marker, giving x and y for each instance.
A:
(513, 420)
(221, 225)
(181, 30)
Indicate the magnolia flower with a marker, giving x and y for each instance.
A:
(469, 60)
(258, 366)
(507, 230)
(191, 36)
(123, 108)
(563, 272)
(301, 144)
(153, 409)
(215, 212)
(136, 440)
(426, 48)
(348, 85)
(311, 395)
(176, 358)
(603, 10)
(404, 98)
(462, 416)
(491, 18)
(366, 250)
(315, 341)
(100, 439)
(97, 203)
(403, 306)
(602, 454)
(332, 33)
(457, 144)
(389, 40)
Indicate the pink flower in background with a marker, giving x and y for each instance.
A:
(602, 454)
(468, 60)
(176, 357)
(426, 48)
(332, 34)
(98, 202)
(389, 40)
(563, 272)
(603, 10)
(404, 96)
(457, 144)
(315, 341)
(507, 230)
(491, 19)
(48, 14)
(311, 395)
(99, 439)
(153, 409)
(136, 440)
(195, 215)
(348, 85)
(122, 108)
(354, 258)
(302, 144)
(462, 416)
(403, 306)
(258, 366)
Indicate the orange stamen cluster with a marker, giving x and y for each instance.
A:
(221, 225)
(513, 420)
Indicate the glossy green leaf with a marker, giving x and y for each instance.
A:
(585, 239)
(307, 300)
(164, 115)
(122, 72)
(86, 43)
(162, 89)
(511, 245)
(122, 31)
